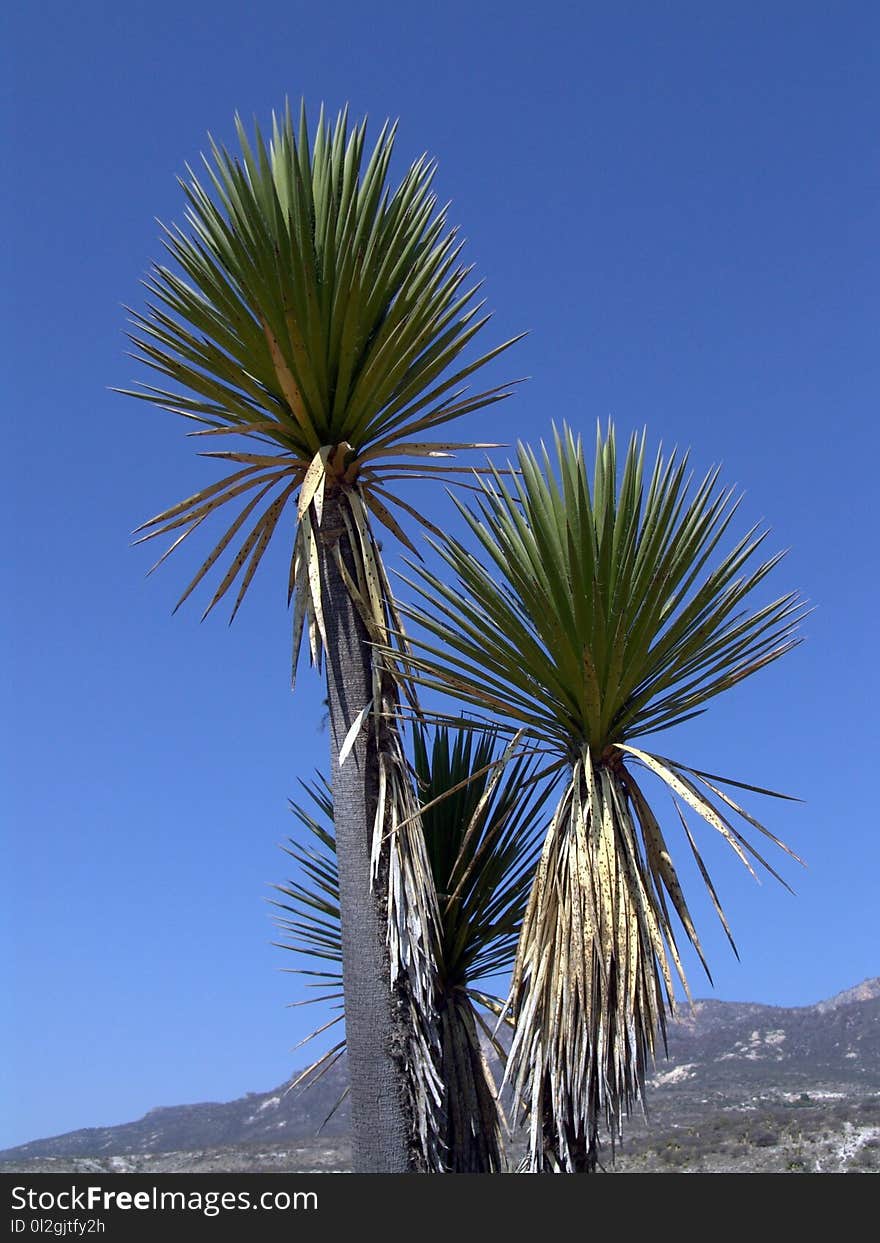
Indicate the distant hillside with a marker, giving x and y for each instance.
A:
(256, 1118)
(745, 1078)
(868, 990)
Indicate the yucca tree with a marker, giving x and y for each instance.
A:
(588, 617)
(483, 827)
(322, 314)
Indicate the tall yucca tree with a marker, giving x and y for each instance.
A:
(590, 617)
(482, 822)
(322, 314)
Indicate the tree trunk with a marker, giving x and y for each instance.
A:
(383, 1135)
(472, 1134)
(583, 1152)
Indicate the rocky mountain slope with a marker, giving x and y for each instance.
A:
(744, 1087)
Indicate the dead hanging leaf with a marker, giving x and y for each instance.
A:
(354, 730)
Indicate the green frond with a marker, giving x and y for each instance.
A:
(482, 841)
(591, 617)
(311, 306)
(594, 612)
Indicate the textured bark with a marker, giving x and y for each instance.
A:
(375, 1028)
(472, 1134)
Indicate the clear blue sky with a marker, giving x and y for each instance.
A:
(680, 202)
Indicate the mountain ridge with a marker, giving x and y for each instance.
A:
(733, 1056)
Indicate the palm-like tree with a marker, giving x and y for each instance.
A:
(483, 830)
(588, 618)
(323, 315)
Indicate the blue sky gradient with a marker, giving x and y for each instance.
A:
(679, 201)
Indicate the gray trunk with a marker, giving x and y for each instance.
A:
(382, 1130)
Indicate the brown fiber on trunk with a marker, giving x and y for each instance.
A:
(383, 1136)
